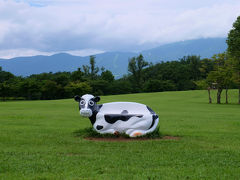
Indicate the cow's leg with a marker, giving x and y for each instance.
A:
(109, 131)
(129, 131)
(136, 133)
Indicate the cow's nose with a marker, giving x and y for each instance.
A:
(99, 127)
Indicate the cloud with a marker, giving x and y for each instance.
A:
(71, 25)
(9, 53)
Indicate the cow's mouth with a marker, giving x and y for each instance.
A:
(86, 112)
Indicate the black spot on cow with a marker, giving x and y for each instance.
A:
(81, 103)
(124, 112)
(77, 98)
(93, 118)
(95, 111)
(112, 118)
(154, 117)
(99, 127)
(99, 106)
(151, 111)
(92, 104)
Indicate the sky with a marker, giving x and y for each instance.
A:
(85, 27)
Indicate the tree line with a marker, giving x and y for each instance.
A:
(222, 71)
(188, 73)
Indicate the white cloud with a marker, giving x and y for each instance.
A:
(71, 25)
(85, 52)
(10, 53)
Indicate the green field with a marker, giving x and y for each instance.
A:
(37, 141)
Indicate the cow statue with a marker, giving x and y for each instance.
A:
(133, 119)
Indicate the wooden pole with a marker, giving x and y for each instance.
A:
(209, 95)
(226, 95)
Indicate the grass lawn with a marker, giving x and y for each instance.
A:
(37, 141)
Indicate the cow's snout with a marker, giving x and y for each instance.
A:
(86, 112)
(99, 127)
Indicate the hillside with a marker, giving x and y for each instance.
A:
(115, 61)
(202, 47)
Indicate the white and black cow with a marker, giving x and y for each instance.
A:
(131, 118)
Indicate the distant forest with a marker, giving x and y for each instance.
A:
(188, 73)
(222, 71)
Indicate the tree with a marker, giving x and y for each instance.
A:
(50, 90)
(4, 90)
(121, 86)
(221, 75)
(77, 88)
(77, 75)
(206, 67)
(5, 76)
(233, 42)
(100, 87)
(135, 67)
(107, 76)
(91, 71)
(93, 68)
(178, 73)
(30, 89)
(154, 85)
(62, 78)
(86, 71)
(194, 64)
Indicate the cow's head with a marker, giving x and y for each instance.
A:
(87, 104)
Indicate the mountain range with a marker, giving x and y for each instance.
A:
(116, 62)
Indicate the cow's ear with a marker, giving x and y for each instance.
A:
(97, 98)
(77, 98)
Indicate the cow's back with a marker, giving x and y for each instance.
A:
(124, 107)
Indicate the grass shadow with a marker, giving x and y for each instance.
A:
(91, 133)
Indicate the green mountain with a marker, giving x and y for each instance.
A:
(115, 61)
(205, 48)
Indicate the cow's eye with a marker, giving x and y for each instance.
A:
(91, 103)
(82, 102)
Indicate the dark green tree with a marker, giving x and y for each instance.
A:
(62, 78)
(233, 42)
(5, 76)
(100, 87)
(221, 75)
(135, 67)
(77, 75)
(50, 89)
(194, 64)
(154, 85)
(93, 69)
(77, 88)
(121, 86)
(107, 76)
(86, 71)
(206, 67)
(30, 89)
(4, 90)
(90, 72)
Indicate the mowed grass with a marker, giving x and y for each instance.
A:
(37, 141)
